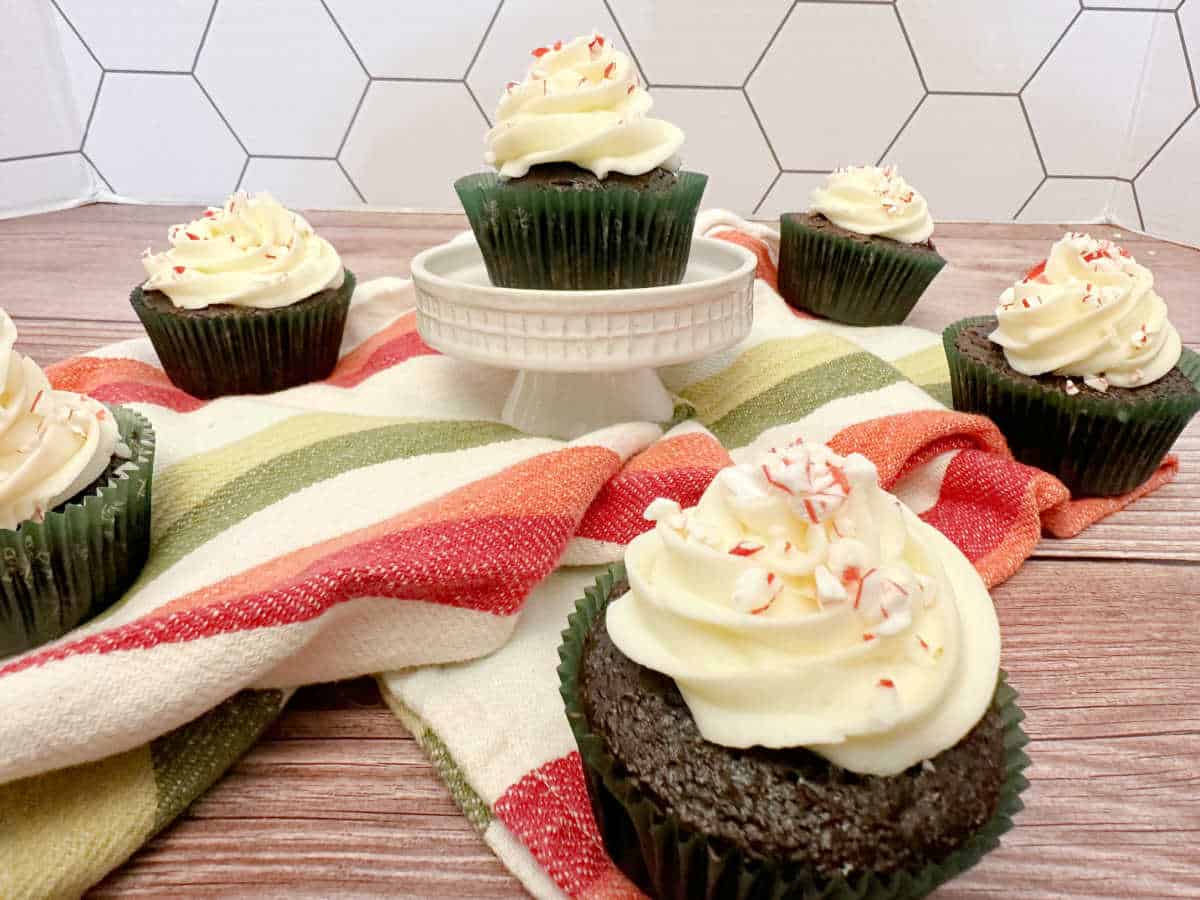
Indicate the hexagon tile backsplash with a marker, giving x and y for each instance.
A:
(1027, 110)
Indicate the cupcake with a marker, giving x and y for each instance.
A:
(248, 300)
(1080, 368)
(74, 502)
(863, 253)
(587, 192)
(793, 690)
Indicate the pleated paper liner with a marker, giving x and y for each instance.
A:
(243, 350)
(573, 240)
(60, 572)
(669, 861)
(875, 282)
(1097, 446)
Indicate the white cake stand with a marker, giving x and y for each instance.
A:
(585, 359)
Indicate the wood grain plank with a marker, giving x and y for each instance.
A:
(338, 801)
(1164, 525)
(1103, 654)
(104, 242)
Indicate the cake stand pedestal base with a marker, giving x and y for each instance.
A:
(569, 404)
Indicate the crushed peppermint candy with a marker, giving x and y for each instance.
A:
(830, 590)
(755, 590)
(746, 548)
(1071, 388)
(1096, 382)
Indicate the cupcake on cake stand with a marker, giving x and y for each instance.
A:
(583, 273)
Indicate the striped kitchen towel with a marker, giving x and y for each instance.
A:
(385, 519)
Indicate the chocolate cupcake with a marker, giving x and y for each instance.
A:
(1080, 368)
(248, 300)
(587, 194)
(75, 483)
(793, 690)
(864, 252)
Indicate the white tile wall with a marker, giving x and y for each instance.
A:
(1033, 110)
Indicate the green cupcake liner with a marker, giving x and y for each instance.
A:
(668, 861)
(1097, 446)
(619, 237)
(232, 350)
(875, 282)
(73, 565)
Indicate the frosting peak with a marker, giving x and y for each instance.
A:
(798, 604)
(249, 252)
(1089, 309)
(580, 103)
(53, 444)
(876, 201)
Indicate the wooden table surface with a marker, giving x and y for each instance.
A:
(1101, 637)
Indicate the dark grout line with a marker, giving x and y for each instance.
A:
(351, 180)
(362, 98)
(1053, 47)
(974, 93)
(1128, 9)
(695, 87)
(767, 192)
(770, 43)
(625, 40)
(242, 174)
(806, 171)
(1163, 145)
(1187, 60)
(345, 37)
(1029, 199)
(220, 114)
(1032, 135)
(911, 50)
(300, 156)
(478, 105)
(75, 30)
(87, 126)
(204, 36)
(96, 169)
(900, 130)
(148, 72)
(1137, 204)
(46, 155)
(479, 47)
(417, 79)
(761, 128)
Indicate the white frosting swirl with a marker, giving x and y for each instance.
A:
(798, 604)
(876, 201)
(580, 103)
(250, 252)
(53, 444)
(1089, 309)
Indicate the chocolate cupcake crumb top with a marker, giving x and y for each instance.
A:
(787, 803)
